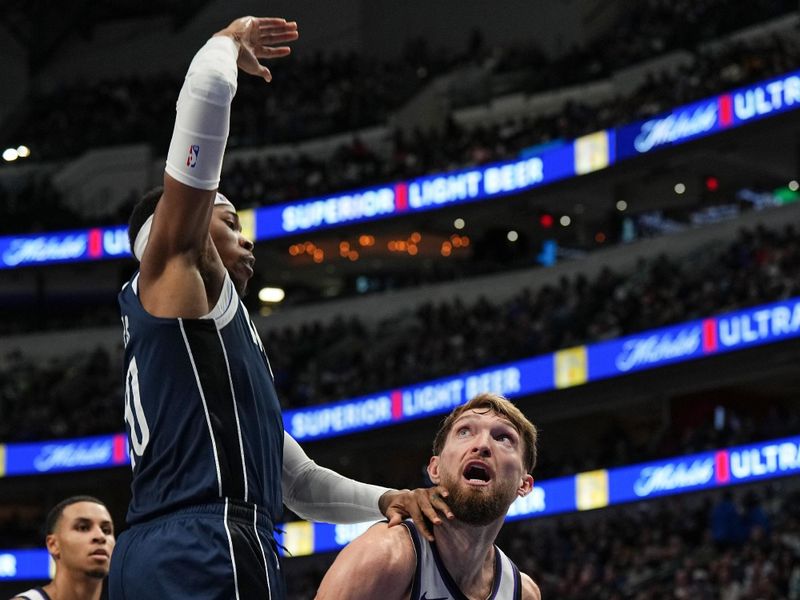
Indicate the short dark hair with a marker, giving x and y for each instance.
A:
(142, 211)
(54, 516)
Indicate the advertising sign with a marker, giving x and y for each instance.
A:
(418, 401)
(66, 455)
(708, 116)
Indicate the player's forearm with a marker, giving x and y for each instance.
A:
(202, 120)
(319, 494)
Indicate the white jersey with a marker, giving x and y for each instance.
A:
(433, 582)
(34, 594)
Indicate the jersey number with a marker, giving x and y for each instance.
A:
(134, 413)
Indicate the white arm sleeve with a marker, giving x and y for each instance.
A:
(319, 494)
(202, 119)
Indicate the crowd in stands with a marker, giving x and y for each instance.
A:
(310, 96)
(345, 359)
(320, 95)
(268, 180)
(728, 548)
(78, 394)
(643, 30)
(81, 394)
(741, 545)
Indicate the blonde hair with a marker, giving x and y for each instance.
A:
(503, 407)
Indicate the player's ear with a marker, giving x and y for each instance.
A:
(53, 546)
(526, 485)
(433, 470)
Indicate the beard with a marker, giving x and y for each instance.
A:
(477, 506)
(97, 573)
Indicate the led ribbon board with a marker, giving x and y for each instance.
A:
(56, 456)
(601, 488)
(709, 116)
(583, 491)
(590, 153)
(651, 349)
(566, 368)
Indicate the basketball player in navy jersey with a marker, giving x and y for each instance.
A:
(484, 453)
(212, 465)
(80, 538)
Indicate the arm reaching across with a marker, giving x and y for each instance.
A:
(319, 494)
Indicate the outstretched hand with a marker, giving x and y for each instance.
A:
(257, 38)
(417, 504)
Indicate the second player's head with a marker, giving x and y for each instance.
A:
(484, 453)
(80, 536)
(235, 250)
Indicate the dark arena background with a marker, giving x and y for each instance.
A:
(588, 206)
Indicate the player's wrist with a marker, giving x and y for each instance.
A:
(386, 499)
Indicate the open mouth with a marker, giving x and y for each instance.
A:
(477, 473)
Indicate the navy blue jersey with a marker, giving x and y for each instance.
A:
(201, 412)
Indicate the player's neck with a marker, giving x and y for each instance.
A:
(77, 587)
(467, 552)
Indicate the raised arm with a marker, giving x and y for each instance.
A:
(319, 494)
(181, 272)
(378, 565)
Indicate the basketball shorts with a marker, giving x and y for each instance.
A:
(221, 551)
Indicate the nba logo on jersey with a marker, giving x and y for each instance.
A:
(191, 160)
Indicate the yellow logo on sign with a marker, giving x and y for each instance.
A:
(299, 538)
(591, 153)
(571, 367)
(2, 460)
(247, 218)
(591, 489)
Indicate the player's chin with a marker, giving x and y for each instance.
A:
(97, 573)
(241, 278)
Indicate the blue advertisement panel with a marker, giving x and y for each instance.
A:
(739, 464)
(661, 478)
(711, 115)
(677, 475)
(764, 99)
(330, 211)
(24, 565)
(566, 368)
(549, 497)
(63, 247)
(737, 330)
(607, 487)
(646, 350)
(552, 163)
(676, 127)
(440, 396)
(421, 194)
(66, 455)
(775, 458)
(20, 251)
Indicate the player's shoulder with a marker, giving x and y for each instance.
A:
(381, 561)
(530, 591)
(389, 548)
(32, 594)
